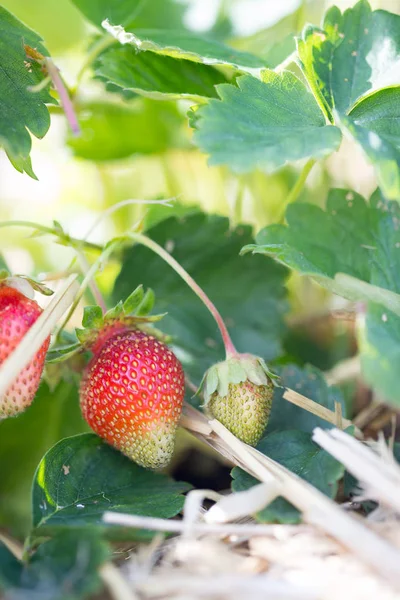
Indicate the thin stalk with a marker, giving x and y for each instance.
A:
(99, 47)
(64, 96)
(145, 241)
(86, 282)
(112, 209)
(300, 183)
(97, 295)
(286, 62)
(51, 231)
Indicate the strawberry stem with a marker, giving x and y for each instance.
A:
(65, 238)
(86, 281)
(97, 295)
(96, 50)
(152, 245)
(64, 97)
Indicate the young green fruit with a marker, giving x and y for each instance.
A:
(238, 392)
(244, 410)
(17, 315)
(131, 394)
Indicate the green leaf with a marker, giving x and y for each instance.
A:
(81, 477)
(92, 317)
(353, 249)
(10, 568)
(250, 295)
(156, 76)
(58, 354)
(356, 52)
(297, 452)
(139, 13)
(111, 131)
(22, 164)
(310, 382)
(375, 125)
(379, 343)
(350, 237)
(64, 568)
(117, 11)
(147, 303)
(134, 300)
(23, 441)
(185, 45)
(21, 111)
(264, 124)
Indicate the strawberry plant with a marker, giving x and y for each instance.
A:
(219, 332)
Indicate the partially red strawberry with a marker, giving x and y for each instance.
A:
(17, 314)
(131, 395)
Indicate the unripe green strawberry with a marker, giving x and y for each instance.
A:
(244, 410)
(17, 315)
(238, 392)
(131, 395)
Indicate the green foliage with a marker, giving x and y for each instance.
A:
(249, 293)
(353, 249)
(54, 415)
(375, 124)
(64, 568)
(288, 441)
(156, 76)
(21, 110)
(144, 127)
(264, 124)
(357, 53)
(310, 382)
(137, 13)
(296, 451)
(81, 477)
(186, 45)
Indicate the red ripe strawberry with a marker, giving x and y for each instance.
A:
(17, 314)
(131, 395)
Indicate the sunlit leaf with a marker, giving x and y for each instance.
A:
(354, 53)
(53, 415)
(353, 249)
(156, 76)
(263, 124)
(21, 110)
(81, 477)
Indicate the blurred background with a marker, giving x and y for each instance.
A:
(144, 147)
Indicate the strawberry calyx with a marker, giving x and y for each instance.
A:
(237, 368)
(98, 327)
(23, 284)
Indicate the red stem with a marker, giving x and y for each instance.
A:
(145, 241)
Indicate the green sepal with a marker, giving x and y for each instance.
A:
(134, 300)
(236, 369)
(114, 313)
(37, 285)
(7, 279)
(146, 304)
(92, 317)
(132, 314)
(62, 353)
